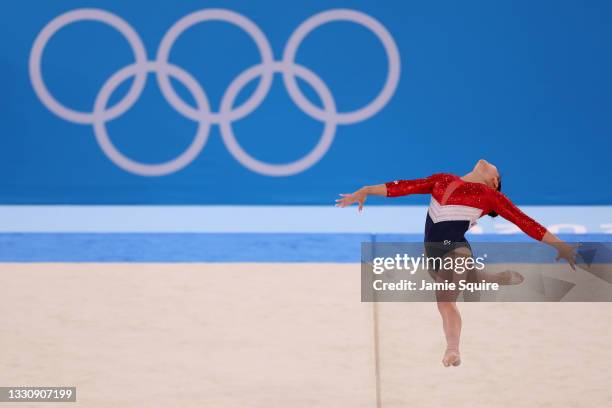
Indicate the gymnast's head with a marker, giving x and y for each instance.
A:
(488, 173)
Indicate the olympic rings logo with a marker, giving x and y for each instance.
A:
(202, 114)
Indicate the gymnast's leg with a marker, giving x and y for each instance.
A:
(451, 323)
(447, 306)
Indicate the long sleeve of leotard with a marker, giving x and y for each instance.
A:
(417, 186)
(504, 207)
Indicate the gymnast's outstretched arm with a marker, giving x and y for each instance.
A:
(361, 195)
(391, 189)
(504, 207)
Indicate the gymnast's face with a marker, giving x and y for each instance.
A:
(488, 172)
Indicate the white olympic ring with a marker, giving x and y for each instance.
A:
(202, 114)
(150, 169)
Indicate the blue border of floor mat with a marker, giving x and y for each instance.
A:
(202, 247)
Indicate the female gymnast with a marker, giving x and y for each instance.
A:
(456, 204)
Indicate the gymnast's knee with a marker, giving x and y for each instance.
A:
(446, 307)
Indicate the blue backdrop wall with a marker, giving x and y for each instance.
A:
(527, 85)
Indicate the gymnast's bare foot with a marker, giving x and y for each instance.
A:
(451, 357)
(510, 278)
(504, 278)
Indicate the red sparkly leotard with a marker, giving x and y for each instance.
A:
(456, 205)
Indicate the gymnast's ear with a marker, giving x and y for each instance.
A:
(493, 213)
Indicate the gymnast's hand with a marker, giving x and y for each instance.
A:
(358, 196)
(567, 252)
(564, 250)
